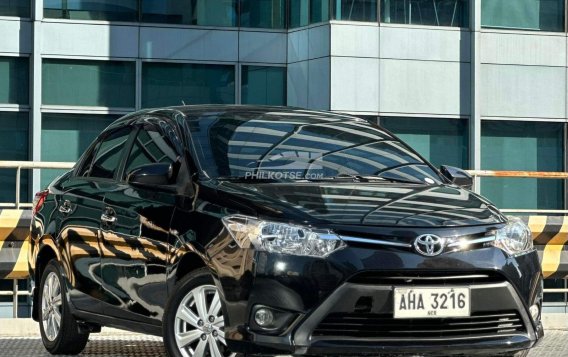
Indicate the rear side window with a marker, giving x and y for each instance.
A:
(150, 147)
(86, 162)
(108, 155)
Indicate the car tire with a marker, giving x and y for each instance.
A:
(59, 331)
(193, 320)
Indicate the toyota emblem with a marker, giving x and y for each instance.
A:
(429, 245)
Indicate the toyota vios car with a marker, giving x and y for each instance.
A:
(264, 230)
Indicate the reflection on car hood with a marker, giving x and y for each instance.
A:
(369, 204)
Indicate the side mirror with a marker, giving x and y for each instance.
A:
(457, 176)
(151, 175)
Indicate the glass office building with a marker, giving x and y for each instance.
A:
(480, 85)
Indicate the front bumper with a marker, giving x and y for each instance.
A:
(316, 290)
(492, 305)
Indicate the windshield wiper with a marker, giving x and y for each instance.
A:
(393, 179)
(365, 178)
(252, 179)
(349, 177)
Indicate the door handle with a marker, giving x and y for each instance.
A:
(65, 207)
(108, 218)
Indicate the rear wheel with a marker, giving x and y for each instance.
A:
(59, 330)
(193, 322)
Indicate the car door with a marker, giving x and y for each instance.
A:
(136, 229)
(79, 209)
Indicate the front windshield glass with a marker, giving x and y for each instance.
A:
(301, 145)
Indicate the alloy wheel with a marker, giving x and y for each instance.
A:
(51, 306)
(199, 324)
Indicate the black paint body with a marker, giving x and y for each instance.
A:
(122, 273)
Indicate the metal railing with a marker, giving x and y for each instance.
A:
(15, 293)
(18, 204)
(31, 165)
(28, 165)
(524, 174)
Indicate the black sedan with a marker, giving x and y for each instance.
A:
(265, 230)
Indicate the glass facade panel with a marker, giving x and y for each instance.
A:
(444, 142)
(319, 11)
(527, 146)
(64, 137)
(89, 83)
(14, 80)
(543, 15)
(166, 84)
(166, 11)
(355, 10)
(299, 13)
(190, 12)
(19, 8)
(453, 13)
(263, 85)
(106, 10)
(263, 13)
(14, 147)
(214, 12)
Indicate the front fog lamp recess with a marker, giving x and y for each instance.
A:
(270, 321)
(263, 317)
(284, 238)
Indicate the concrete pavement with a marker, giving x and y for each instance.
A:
(116, 343)
(555, 344)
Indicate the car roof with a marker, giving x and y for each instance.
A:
(196, 111)
(245, 111)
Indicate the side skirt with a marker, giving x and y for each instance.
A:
(121, 324)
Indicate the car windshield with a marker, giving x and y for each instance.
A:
(301, 145)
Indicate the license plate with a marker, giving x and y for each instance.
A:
(431, 302)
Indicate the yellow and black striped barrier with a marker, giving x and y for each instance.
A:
(14, 243)
(550, 235)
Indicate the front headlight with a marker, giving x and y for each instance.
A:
(283, 238)
(515, 238)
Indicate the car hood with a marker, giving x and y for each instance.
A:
(365, 204)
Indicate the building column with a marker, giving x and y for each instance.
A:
(35, 92)
(475, 116)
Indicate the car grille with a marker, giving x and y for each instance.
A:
(424, 278)
(365, 325)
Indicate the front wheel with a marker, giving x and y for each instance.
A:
(59, 331)
(193, 321)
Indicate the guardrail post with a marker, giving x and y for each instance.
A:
(18, 174)
(15, 299)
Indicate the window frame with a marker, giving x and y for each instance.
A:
(333, 13)
(528, 30)
(147, 125)
(29, 15)
(93, 150)
(265, 65)
(414, 25)
(236, 80)
(275, 29)
(90, 108)
(137, 18)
